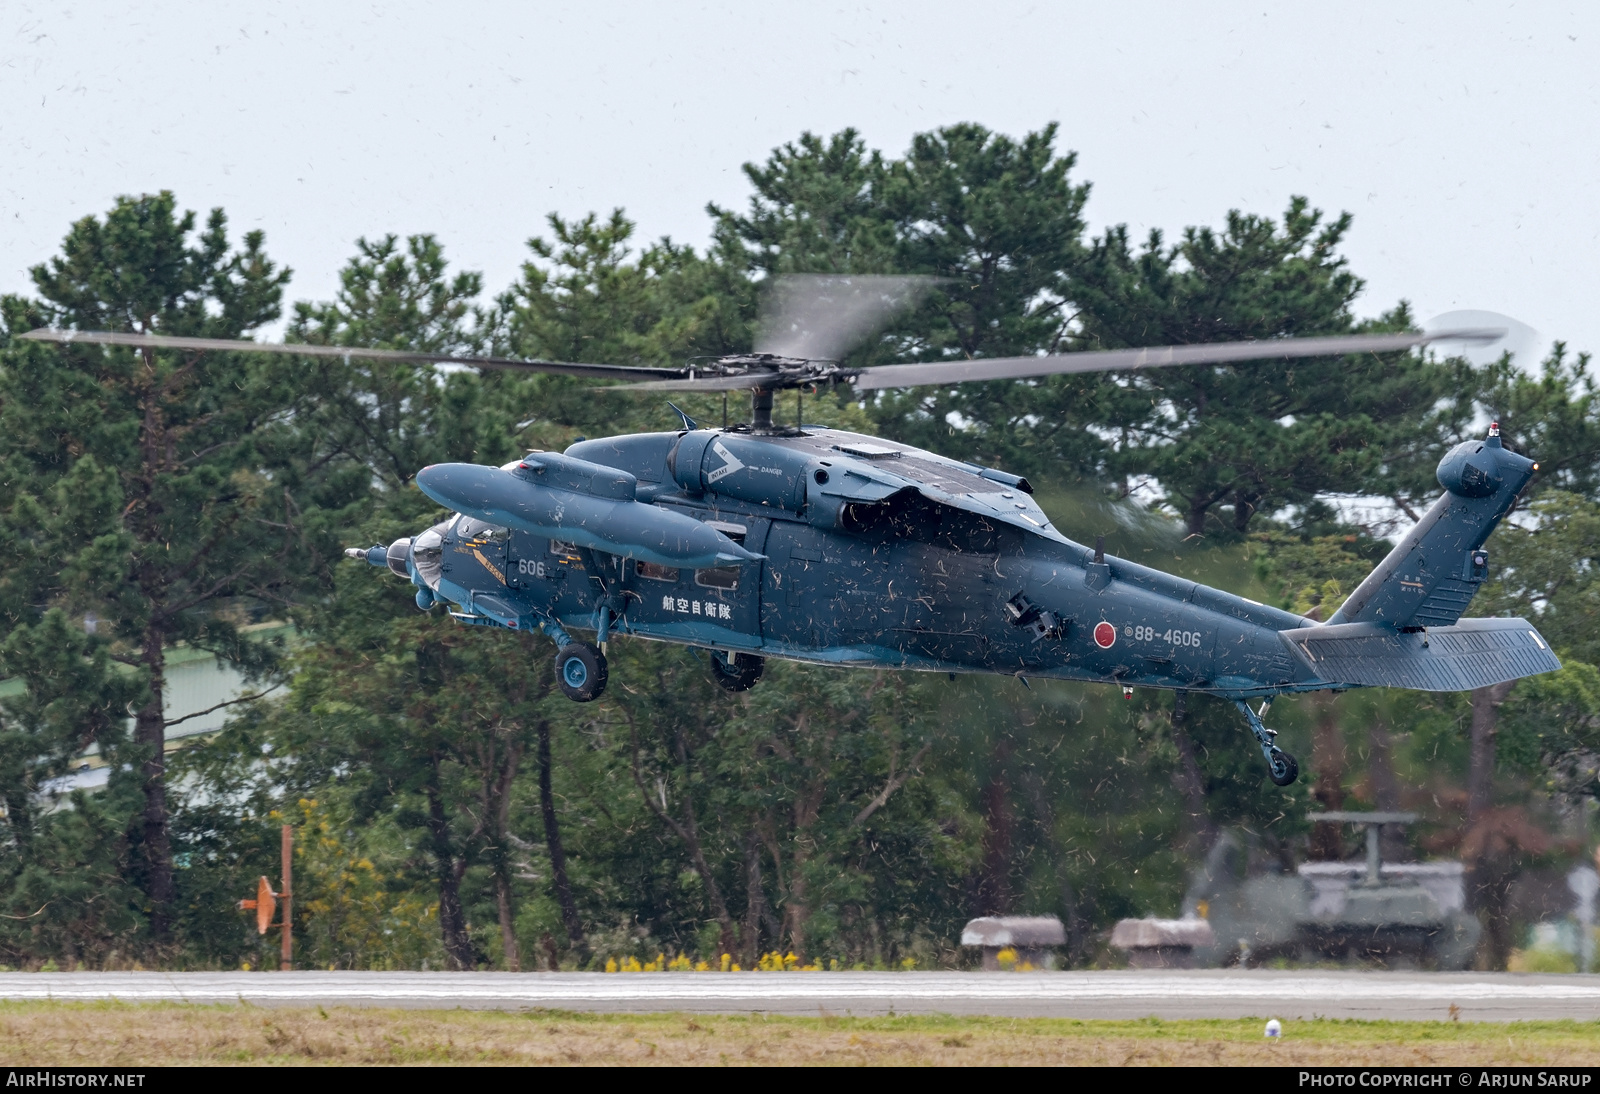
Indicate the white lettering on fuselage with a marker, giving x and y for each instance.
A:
(711, 609)
(531, 568)
(1150, 634)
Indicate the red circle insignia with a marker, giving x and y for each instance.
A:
(1105, 635)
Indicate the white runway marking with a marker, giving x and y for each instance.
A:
(1118, 994)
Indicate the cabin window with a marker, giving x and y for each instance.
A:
(735, 532)
(563, 548)
(655, 572)
(718, 577)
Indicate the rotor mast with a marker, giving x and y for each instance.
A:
(761, 409)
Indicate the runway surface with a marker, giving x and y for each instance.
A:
(1118, 994)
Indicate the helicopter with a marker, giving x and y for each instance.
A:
(831, 547)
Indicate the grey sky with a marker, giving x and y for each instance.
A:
(1462, 136)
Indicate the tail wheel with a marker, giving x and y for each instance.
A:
(1282, 768)
(739, 672)
(580, 671)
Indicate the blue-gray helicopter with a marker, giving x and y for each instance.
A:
(765, 540)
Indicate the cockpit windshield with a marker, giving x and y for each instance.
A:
(427, 554)
(481, 530)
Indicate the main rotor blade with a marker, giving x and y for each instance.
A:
(1016, 368)
(163, 341)
(708, 383)
(822, 317)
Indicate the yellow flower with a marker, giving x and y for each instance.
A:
(611, 964)
(727, 960)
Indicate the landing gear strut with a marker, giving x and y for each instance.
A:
(1282, 768)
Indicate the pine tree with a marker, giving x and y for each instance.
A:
(166, 520)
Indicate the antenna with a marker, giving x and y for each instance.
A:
(688, 422)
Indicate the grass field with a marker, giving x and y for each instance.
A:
(112, 1034)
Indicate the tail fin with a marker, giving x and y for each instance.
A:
(1431, 577)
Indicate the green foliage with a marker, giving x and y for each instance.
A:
(69, 889)
(389, 420)
(1551, 729)
(584, 296)
(812, 784)
(1553, 414)
(359, 911)
(1545, 567)
(1315, 573)
(1249, 437)
(817, 208)
(147, 488)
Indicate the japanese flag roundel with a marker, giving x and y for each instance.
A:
(1105, 635)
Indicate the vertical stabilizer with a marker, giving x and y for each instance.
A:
(1431, 577)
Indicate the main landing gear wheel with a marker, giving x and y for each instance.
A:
(739, 672)
(1282, 768)
(580, 671)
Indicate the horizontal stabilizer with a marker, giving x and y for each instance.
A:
(1473, 653)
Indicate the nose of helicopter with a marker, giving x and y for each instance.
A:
(444, 482)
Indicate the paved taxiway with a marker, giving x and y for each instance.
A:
(1112, 994)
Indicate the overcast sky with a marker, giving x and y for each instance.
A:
(1465, 138)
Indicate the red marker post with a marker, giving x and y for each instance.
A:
(266, 902)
